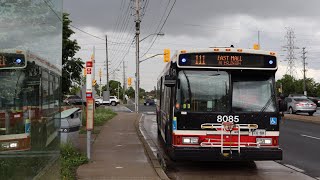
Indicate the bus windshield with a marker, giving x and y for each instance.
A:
(208, 91)
(11, 86)
(252, 94)
(200, 91)
(11, 115)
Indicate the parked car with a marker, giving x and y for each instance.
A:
(316, 100)
(297, 95)
(149, 102)
(112, 101)
(74, 100)
(300, 104)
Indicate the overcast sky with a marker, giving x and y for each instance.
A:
(194, 24)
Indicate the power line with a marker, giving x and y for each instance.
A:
(160, 28)
(88, 33)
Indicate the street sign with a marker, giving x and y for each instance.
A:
(89, 70)
(90, 113)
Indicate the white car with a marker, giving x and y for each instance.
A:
(113, 101)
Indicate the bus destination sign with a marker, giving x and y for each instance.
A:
(228, 60)
(12, 60)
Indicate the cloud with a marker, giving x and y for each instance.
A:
(199, 25)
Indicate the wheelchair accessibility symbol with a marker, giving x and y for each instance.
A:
(273, 121)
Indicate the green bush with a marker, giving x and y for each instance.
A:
(71, 159)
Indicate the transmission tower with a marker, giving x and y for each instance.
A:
(290, 47)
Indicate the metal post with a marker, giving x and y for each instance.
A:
(137, 56)
(89, 144)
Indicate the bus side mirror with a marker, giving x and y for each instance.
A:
(282, 103)
(169, 81)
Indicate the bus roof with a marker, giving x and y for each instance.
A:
(175, 57)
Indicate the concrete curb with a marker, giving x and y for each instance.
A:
(312, 119)
(153, 159)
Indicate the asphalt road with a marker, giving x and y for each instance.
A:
(300, 142)
(217, 170)
(142, 108)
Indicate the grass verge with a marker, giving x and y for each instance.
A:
(70, 160)
(101, 116)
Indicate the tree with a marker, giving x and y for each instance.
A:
(71, 66)
(290, 85)
(130, 92)
(142, 93)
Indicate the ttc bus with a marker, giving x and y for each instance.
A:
(29, 102)
(219, 104)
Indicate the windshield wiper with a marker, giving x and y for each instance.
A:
(189, 87)
(265, 106)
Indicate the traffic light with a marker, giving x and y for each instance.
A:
(166, 55)
(129, 81)
(256, 47)
(94, 82)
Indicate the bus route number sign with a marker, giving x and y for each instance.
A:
(12, 60)
(227, 60)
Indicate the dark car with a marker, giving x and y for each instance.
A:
(76, 100)
(149, 102)
(316, 100)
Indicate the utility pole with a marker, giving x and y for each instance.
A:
(137, 21)
(100, 74)
(107, 64)
(259, 39)
(118, 90)
(304, 70)
(124, 81)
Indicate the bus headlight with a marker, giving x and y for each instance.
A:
(190, 140)
(264, 141)
(13, 145)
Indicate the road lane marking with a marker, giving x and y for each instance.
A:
(294, 168)
(310, 136)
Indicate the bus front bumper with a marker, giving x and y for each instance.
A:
(214, 154)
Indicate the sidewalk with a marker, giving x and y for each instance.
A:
(117, 152)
